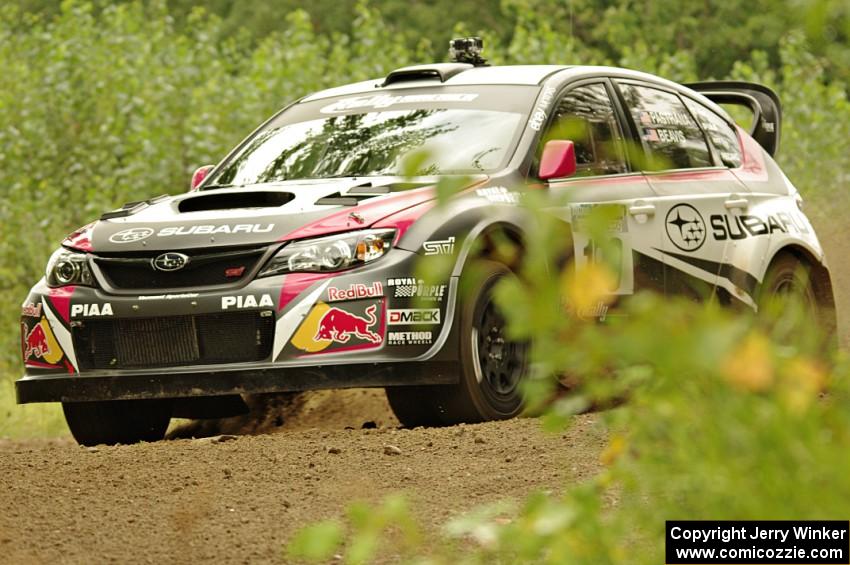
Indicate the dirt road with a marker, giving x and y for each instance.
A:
(196, 500)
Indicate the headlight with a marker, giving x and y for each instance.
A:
(334, 253)
(68, 267)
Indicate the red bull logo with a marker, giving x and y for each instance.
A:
(35, 343)
(39, 343)
(338, 325)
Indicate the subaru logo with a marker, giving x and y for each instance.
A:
(131, 235)
(169, 262)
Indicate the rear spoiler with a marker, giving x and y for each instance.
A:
(762, 102)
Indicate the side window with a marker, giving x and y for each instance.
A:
(674, 139)
(721, 134)
(586, 117)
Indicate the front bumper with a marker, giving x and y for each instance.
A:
(65, 388)
(351, 329)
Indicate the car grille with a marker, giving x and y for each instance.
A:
(203, 269)
(205, 339)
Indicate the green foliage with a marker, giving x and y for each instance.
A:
(721, 422)
(317, 542)
(370, 528)
(29, 420)
(105, 103)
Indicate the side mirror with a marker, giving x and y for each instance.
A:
(199, 175)
(558, 160)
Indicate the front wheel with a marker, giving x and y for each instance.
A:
(491, 366)
(117, 421)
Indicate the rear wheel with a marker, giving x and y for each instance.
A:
(117, 421)
(788, 305)
(491, 367)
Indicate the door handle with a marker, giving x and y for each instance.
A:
(736, 201)
(642, 209)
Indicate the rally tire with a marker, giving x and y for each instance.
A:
(415, 406)
(787, 301)
(491, 366)
(117, 421)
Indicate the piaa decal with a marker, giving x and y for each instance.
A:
(248, 301)
(91, 310)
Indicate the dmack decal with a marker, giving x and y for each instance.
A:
(414, 316)
(724, 226)
(39, 343)
(338, 325)
(89, 310)
(248, 301)
(355, 291)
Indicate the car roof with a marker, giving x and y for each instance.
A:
(529, 75)
(453, 74)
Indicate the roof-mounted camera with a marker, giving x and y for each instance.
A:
(467, 50)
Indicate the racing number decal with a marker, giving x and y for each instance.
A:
(594, 254)
(615, 253)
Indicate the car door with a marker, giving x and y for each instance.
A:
(696, 192)
(587, 114)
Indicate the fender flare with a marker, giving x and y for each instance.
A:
(821, 277)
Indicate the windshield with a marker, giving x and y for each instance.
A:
(310, 144)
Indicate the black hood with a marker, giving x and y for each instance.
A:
(253, 215)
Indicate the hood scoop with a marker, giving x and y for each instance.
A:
(236, 199)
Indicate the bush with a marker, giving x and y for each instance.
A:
(720, 421)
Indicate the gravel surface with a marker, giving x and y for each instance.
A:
(233, 498)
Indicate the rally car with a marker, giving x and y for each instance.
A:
(292, 264)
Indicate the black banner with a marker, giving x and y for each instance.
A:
(759, 542)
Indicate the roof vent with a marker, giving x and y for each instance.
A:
(440, 71)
